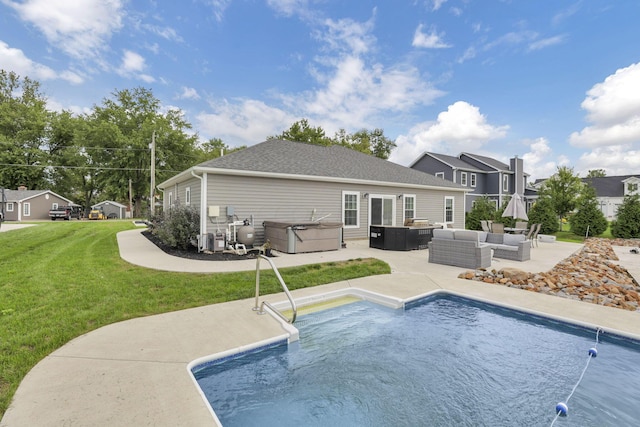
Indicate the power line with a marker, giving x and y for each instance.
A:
(87, 167)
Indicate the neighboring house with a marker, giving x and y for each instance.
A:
(611, 190)
(112, 210)
(291, 181)
(30, 205)
(483, 176)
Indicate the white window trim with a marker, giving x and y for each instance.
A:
(9, 206)
(415, 207)
(453, 210)
(352, 193)
(505, 183)
(26, 209)
(463, 179)
(187, 196)
(170, 200)
(473, 180)
(440, 175)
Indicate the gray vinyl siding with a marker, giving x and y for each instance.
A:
(263, 199)
(432, 166)
(40, 206)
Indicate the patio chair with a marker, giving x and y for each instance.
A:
(485, 225)
(521, 224)
(497, 227)
(534, 238)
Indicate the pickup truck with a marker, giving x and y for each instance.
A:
(65, 212)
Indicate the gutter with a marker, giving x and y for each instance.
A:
(203, 243)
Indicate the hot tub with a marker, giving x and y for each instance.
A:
(299, 237)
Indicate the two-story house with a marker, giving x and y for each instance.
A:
(611, 190)
(483, 176)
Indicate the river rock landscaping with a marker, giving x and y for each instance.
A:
(589, 275)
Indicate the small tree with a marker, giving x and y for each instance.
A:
(542, 212)
(627, 225)
(563, 189)
(588, 219)
(482, 209)
(179, 227)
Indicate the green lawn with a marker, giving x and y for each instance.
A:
(567, 236)
(59, 280)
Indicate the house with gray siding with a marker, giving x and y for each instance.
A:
(481, 175)
(30, 205)
(280, 180)
(611, 191)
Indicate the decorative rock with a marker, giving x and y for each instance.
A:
(587, 275)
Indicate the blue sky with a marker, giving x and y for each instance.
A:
(555, 82)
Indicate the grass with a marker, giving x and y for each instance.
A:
(565, 235)
(63, 279)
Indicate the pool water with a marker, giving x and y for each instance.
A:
(445, 361)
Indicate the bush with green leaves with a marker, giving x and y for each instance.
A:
(627, 225)
(179, 227)
(542, 212)
(482, 209)
(588, 218)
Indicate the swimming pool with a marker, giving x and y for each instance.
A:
(443, 361)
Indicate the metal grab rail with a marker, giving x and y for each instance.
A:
(260, 307)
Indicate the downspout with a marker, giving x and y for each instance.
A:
(203, 212)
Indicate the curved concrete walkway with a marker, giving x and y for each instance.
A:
(135, 372)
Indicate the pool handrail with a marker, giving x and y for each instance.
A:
(260, 307)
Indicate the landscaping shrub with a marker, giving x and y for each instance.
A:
(178, 228)
(627, 225)
(483, 209)
(588, 218)
(542, 212)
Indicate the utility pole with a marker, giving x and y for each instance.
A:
(152, 203)
(130, 199)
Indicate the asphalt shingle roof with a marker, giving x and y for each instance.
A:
(454, 161)
(297, 158)
(489, 161)
(608, 186)
(16, 195)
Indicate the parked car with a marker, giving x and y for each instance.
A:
(65, 212)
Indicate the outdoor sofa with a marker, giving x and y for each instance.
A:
(473, 249)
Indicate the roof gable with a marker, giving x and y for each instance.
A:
(492, 163)
(609, 186)
(21, 195)
(279, 157)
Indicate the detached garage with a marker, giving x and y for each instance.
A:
(111, 209)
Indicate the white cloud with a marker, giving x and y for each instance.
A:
(549, 41)
(289, 7)
(460, 128)
(438, 3)
(243, 122)
(189, 93)
(615, 160)
(80, 28)
(346, 36)
(537, 161)
(132, 66)
(428, 41)
(613, 109)
(15, 60)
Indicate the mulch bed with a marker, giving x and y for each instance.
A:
(193, 253)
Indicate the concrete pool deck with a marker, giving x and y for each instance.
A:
(135, 372)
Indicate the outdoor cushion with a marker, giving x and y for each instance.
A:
(495, 238)
(470, 235)
(513, 239)
(482, 236)
(443, 233)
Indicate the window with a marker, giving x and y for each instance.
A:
(440, 175)
(10, 207)
(505, 182)
(54, 206)
(351, 209)
(170, 200)
(187, 196)
(632, 187)
(448, 209)
(473, 180)
(26, 209)
(463, 179)
(409, 206)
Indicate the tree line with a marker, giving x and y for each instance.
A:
(105, 154)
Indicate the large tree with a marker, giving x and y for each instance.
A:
(372, 142)
(214, 148)
(135, 119)
(563, 189)
(23, 129)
